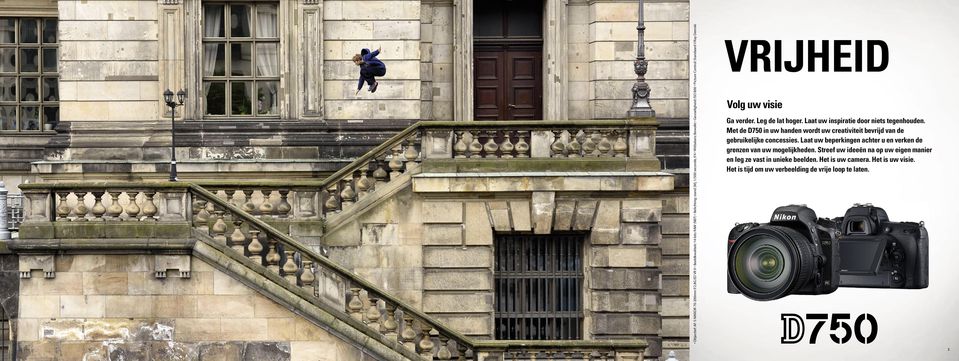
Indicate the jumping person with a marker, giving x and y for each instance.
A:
(370, 68)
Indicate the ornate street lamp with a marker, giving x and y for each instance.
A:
(173, 104)
(641, 107)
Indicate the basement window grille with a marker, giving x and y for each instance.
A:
(5, 337)
(14, 211)
(539, 287)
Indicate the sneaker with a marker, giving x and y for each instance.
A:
(373, 87)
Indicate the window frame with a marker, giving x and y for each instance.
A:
(227, 78)
(505, 309)
(41, 75)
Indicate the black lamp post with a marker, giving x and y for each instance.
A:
(641, 107)
(173, 104)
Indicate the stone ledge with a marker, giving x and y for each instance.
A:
(542, 182)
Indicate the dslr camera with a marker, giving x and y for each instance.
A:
(799, 253)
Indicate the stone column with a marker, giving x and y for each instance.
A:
(555, 61)
(463, 60)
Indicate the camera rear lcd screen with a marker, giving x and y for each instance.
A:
(860, 256)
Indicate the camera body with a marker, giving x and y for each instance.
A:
(800, 253)
(876, 252)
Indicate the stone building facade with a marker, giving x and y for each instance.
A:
(271, 100)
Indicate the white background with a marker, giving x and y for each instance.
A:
(921, 81)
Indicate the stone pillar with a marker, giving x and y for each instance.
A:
(308, 59)
(463, 60)
(555, 61)
(170, 53)
(4, 232)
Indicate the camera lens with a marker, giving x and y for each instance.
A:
(769, 262)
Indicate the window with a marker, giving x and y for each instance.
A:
(240, 59)
(29, 84)
(539, 282)
(5, 337)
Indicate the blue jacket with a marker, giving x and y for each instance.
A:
(371, 66)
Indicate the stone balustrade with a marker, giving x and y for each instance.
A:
(237, 217)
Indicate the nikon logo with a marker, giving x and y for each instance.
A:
(784, 217)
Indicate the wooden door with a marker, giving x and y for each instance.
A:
(507, 84)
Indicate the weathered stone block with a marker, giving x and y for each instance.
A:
(128, 306)
(86, 306)
(457, 280)
(227, 306)
(104, 283)
(470, 325)
(443, 234)
(675, 285)
(626, 323)
(676, 327)
(39, 306)
(583, 218)
(676, 265)
(625, 256)
(499, 212)
(675, 306)
(641, 233)
(478, 228)
(675, 245)
(626, 279)
(223, 284)
(675, 224)
(442, 212)
(543, 206)
(625, 301)
(457, 302)
(445, 257)
(642, 210)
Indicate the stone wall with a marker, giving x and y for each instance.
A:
(609, 29)
(101, 307)
(435, 250)
(350, 26)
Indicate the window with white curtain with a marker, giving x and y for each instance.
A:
(240, 60)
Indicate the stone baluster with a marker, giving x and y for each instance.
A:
(218, 230)
(408, 335)
(248, 205)
(149, 208)
(574, 146)
(490, 147)
(566, 355)
(589, 145)
(380, 175)
(604, 145)
(460, 148)
(233, 198)
(308, 278)
(619, 146)
(332, 204)
(355, 306)
(81, 210)
(255, 248)
(63, 210)
(237, 239)
(347, 195)
(411, 154)
(426, 342)
(443, 353)
(389, 324)
(373, 314)
(289, 267)
(132, 210)
(283, 208)
(461, 351)
(114, 210)
(396, 164)
(558, 147)
(363, 185)
(506, 149)
(273, 257)
(98, 209)
(522, 147)
(475, 147)
(266, 207)
(202, 218)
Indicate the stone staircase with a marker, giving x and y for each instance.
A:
(268, 234)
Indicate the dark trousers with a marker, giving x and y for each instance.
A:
(369, 75)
